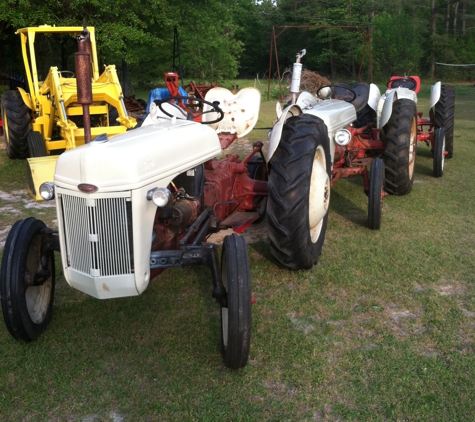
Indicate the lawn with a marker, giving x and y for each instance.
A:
(382, 329)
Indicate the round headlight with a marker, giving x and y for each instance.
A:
(47, 191)
(325, 92)
(159, 196)
(343, 137)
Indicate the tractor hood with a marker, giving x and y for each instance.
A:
(138, 157)
(336, 114)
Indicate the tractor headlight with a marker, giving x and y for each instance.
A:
(47, 191)
(343, 137)
(159, 196)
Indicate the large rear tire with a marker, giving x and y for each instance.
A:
(27, 281)
(444, 117)
(299, 193)
(236, 318)
(16, 123)
(400, 134)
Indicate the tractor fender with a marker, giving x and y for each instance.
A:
(385, 104)
(336, 115)
(276, 132)
(241, 110)
(385, 107)
(374, 96)
(406, 93)
(26, 98)
(306, 100)
(435, 94)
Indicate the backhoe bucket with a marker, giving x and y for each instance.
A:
(40, 170)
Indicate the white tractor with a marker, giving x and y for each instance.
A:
(399, 103)
(132, 205)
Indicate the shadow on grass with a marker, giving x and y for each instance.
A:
(348, 209)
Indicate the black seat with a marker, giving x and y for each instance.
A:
(362, 95)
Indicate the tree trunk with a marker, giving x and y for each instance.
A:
(432, 33)
(332, 61)
(447, 18)
(464, 31)
(455, 18)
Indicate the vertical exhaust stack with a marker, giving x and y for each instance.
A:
(296, 74)
(82, 61)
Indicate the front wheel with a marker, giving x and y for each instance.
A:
(299, 192)
(27, 280)
(439, 152)
(375, 197)
(236, 316)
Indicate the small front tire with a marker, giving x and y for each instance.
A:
(236, 319)
(439, 152)
(375, 197)
(27, 280)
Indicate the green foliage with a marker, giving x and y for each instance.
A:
(222, 39)
(396, 47)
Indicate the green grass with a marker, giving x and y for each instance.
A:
(382, 329)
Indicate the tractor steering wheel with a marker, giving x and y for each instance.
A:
(188, 114)
(338, 92)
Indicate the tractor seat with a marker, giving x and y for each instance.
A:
(410, 82)
(362, 95)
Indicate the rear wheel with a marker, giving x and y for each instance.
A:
(439, 149)
(36, 144)
(27, 281)
(444, 116)
(299, 193)
(401, 144)
(236, 314)
(375, 197)
(16, 123)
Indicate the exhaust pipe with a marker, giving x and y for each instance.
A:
(82, 60)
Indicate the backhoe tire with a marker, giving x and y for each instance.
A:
(299, 193)
(444, 117)
(400, 136)
(16, 123)
(36, 144)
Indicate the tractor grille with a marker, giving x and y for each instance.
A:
(98, 235)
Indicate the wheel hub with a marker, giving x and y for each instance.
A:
(319, 195)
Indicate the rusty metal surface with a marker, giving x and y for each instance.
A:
(82, 61)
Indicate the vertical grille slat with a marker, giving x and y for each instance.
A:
(97, 233)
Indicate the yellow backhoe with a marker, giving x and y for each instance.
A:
(47, 120)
